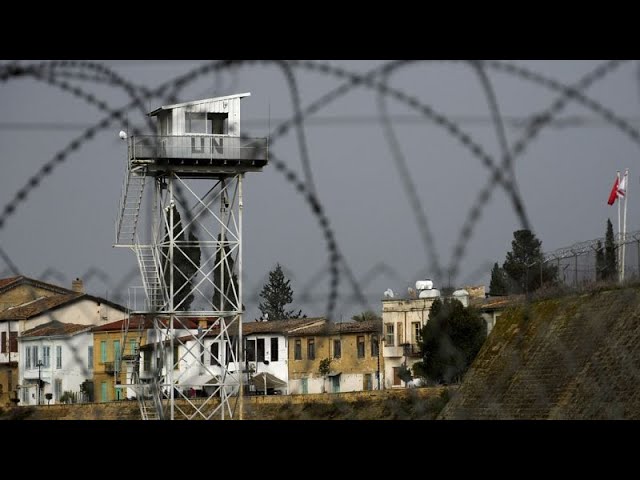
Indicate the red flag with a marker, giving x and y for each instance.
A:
(614, 193)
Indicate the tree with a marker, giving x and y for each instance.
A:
(610, 269)
(524, 265)
(449, 341)
(223, 281)
(365, 316)
(324, 369)
(277, 293)
(498, 284)
(186, 260)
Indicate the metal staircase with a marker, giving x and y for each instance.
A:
(130, 201)
(151, 279)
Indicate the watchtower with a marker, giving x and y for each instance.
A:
(181, 214)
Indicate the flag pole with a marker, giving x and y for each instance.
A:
(624, 219)
(619, 231)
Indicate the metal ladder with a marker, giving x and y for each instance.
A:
(130, 201)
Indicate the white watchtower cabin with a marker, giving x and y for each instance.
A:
(188, 245)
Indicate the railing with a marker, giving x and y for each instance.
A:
(208, 147)
(410, 350)
(111, 367)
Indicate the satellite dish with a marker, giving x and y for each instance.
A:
(123, 135)
(388, 293)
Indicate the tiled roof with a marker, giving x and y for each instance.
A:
(330, 328)
(496, 303)
(32, 309)
(6, 283)
(54, 328)
(146, 322)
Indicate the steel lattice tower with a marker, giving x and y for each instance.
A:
(188, 244)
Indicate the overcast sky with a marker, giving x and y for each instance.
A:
(65, 228)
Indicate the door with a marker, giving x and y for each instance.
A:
(367, 384)
(396, 378)
(305, 386)
(103, 391)
(335, 383)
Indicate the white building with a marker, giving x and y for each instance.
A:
(60, 355)
(403, 319)
(265, 363)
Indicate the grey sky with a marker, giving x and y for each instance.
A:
(67, 223)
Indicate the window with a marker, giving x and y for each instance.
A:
(416, 331)
(147, 361)
(297, 352)
(13, 342)
(46, 357)
(231, 350)
(389, 337)
(25, 395)
(251, 350)
(103, 351)
(311, 349)
(337, 349)
(195, 122)
(58, 357)
(27, 359)
(274, 349)
(4, 343)
(90, 356)
(218, 123)
(103, 391)
(375, 346)
(400, 336)
(57, 389)
(360, 346)
(215, 353)
(34, 354)
(116, 353)
(260, 350)
(133, 347)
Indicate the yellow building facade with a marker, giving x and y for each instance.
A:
(355, 362)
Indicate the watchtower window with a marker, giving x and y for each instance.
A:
(218, 123)
(207, 123)
(196, 122)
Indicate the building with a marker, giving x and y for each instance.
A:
(352, 348)
(265, 364)
(403, 319)
(26, 303)
(491, 308)
(55, 358)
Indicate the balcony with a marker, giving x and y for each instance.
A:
(411, 350)
(196, 153)
(111, 367)
(402, 350)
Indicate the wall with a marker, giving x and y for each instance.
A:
(573, 357)
(22, 294)
(422, 403)
(83, 312)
